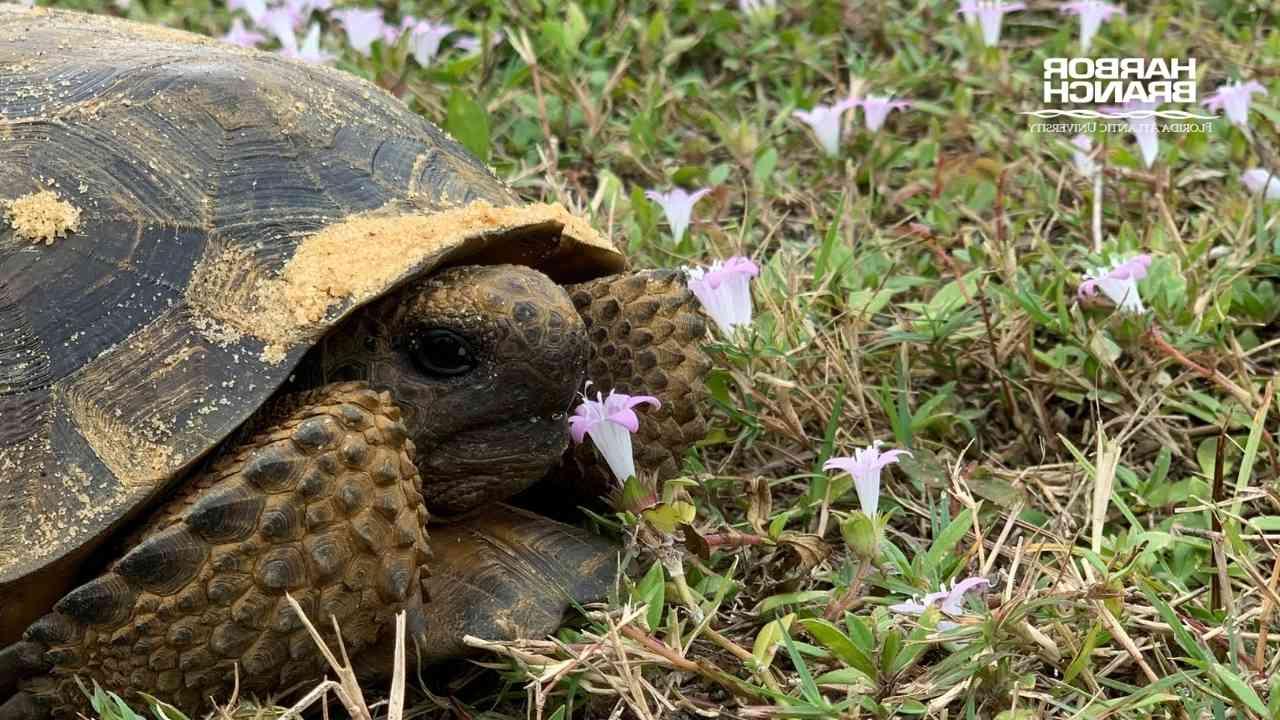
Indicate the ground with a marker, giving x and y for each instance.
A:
(1112, 475)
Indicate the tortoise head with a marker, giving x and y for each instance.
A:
(485, 362)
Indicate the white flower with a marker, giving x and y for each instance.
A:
(363, 27)
(609, 421)
(1144, 129)
(1235, 99)
(1092, 14)
(255, 9)
(425, 38)
(677, 205)
(751, 7)
(990, 15)
(724, 290)
(824, 120)
(950, 602)
(1082, 156)
(1258, 178)
(876, 109)
(242, 36)
(310, 49)
(1119, 282)
(279, 21)
(865, 465)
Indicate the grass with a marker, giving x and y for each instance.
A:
(1115, 477)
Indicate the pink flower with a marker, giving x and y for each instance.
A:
(751, 7)
(1119, 282)
(1144, 129)
(950, 602)
(865, 466)
(282, 25)
(989, 14)
(301, 9)
(875, 109)
(255, 9)
(825, 121)
(609, 421)
(1259, 178)
(425, 38)
(309, 51)
(1235, 99)
(1092, 14)
(240, 35)
(363, 27)
(724, 290)
(677, 205)
(1083, 156)
(471, 44)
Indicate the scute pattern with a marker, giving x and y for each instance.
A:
(183, 155)
(646, 334)
(325, 503)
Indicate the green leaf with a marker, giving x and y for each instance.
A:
(944, 545)
(1243, 692)
(651, 590)
(468, 123)
(575, 29)
(1184, 638)
(840, 645)
(1081, 660)
(766, 162)
(807, 687)
(766, 643)
(794, 598)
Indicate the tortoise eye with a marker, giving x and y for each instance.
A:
(441, 353)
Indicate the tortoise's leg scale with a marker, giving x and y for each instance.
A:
(204, 586)
(646, 331)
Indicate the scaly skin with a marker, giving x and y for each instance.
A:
(646, 333)
(325, 504)
(300, 507)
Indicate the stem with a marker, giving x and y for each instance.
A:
(847, 599)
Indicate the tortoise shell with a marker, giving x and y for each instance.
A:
(182, 220)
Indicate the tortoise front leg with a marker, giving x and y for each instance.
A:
(646, 330)
(323, 502)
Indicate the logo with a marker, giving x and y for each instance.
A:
(1128, 88)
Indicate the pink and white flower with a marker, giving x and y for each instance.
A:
(865, 465)
(950, 602)
(724, 289)
(363, 27)
(677, 205)
(609, 422)
(989, 14)
(255, 9)
(1092, 14)
(471, 44)
(751, 7)
(875, 109)
(1235, 99)
(825, 121)
(280, 22)
(1082, 156)
(1119, 282)
(309, 51)
(1261, 180)
(425, 38)
(242, 36)
(1144, 129)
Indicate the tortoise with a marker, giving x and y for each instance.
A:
(261, 325)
